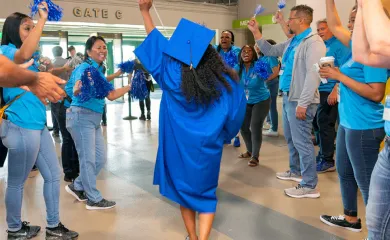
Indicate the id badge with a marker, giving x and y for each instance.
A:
(281, 70)
(386, 112)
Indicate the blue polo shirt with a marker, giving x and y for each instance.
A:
(253, 85)
(272, 62)
(27, 111)
(340, 53)
(96, 105)
(357, 112)
(288, 60)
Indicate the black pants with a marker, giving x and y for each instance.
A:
(251, 129)
(142, 104)
(324, 124)
(54, 116)
(70, 160)
(3, 153)
(104, 117)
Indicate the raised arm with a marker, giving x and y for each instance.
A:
(144, 6)
(265, 47)
(280, 19)
(361, 48)
(335, 24)
(114, 75)
(30, 44)
(377, 26)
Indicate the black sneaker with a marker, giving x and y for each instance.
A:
(79, 195)
(341, 222)
(148, 116)
(60, 233)
(142, 117)
(103, 204)
(26, 232)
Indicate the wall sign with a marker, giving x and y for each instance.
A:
(262, 20)
(95, 13)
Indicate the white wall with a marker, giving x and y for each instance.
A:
(343, 7)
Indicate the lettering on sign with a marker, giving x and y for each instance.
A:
(95, 12)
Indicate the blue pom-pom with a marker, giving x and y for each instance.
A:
(262, 69)
(139, 90)
(230, 59)
(281, 4)
(55, 11)
(127, 67)
(259, 9)
(94, 85)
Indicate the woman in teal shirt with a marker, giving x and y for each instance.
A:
(361, 128)
(83, 122)
(257, 106)
(24, 133)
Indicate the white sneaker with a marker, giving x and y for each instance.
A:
(271, 133)
(266, 126)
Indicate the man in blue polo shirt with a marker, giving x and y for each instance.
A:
(326, 117)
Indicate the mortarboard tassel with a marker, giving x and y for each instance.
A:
(262, 69)
(55, 11)
(281, 4)
(230, 59)
(259, 9)
(139, 89)
(127, 67)
(94, 85)
(159, 18)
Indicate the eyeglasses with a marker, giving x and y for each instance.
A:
(293, 18)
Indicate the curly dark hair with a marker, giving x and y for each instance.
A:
(241, 62)
(204, 84)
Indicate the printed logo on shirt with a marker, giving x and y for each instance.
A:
(350, 63)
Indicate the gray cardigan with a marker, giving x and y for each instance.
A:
(305, 80)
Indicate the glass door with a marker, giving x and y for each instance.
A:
(114, 57)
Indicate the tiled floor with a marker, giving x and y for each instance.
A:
(252, 203)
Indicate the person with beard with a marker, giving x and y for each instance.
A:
(299, 82)
(202, 101)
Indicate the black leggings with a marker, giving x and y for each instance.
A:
(251, 129)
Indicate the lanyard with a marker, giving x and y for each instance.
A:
(294, 43)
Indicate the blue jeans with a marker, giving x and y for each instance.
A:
(84, 126)
(356, 155)
(378, 208)
(273, 111)
(28, 147)
(298, 136)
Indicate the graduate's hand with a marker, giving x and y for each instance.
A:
(145, 5)
(43, 11)
(300, 113)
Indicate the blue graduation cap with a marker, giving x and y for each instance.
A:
(189, 42)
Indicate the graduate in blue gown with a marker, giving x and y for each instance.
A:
(201, 107)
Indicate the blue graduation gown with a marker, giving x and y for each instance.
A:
(191, 137)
